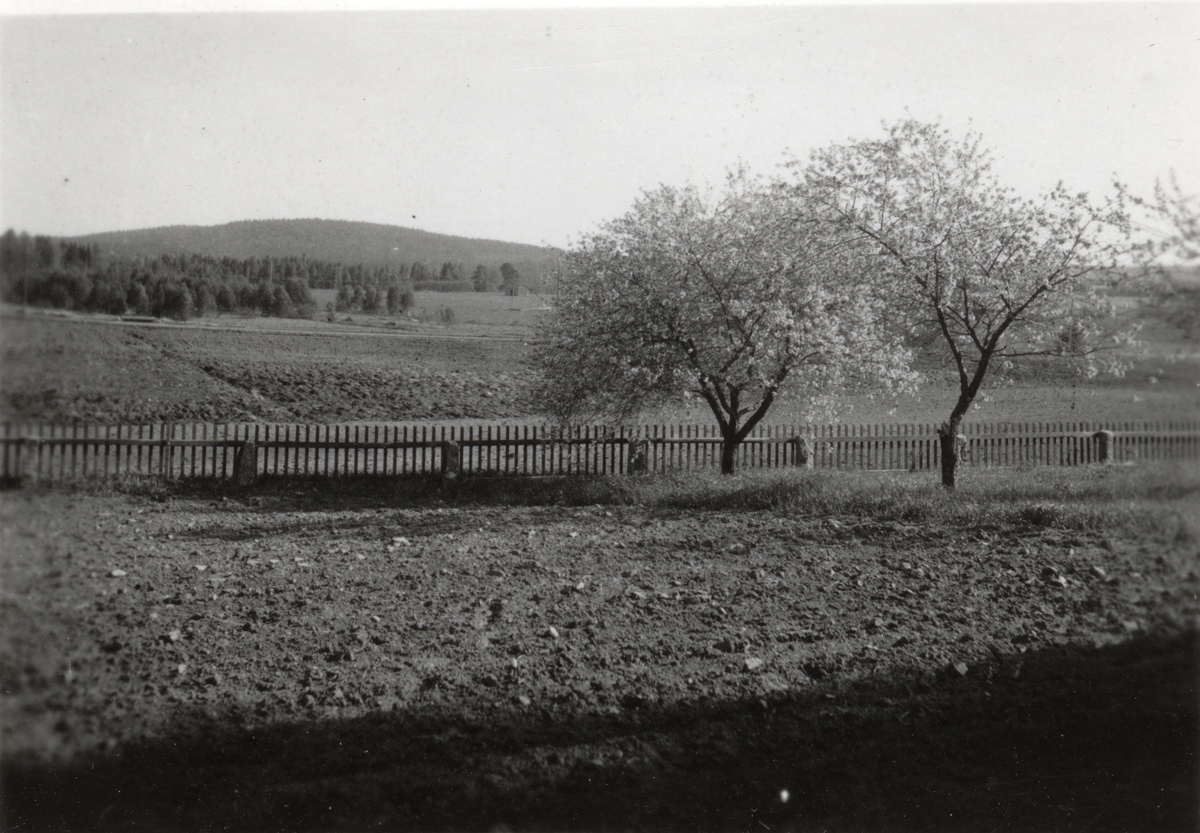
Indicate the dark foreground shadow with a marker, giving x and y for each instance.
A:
(1063, 739)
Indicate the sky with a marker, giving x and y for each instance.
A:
(536, 125)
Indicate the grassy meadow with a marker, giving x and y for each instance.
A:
(469, 308)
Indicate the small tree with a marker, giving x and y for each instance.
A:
(344, 297)
(989, 276)
(733, 300)
(281, 303)
(480, 279)
(173, 300)
(206, 301)
(510, 279)
(137, 299)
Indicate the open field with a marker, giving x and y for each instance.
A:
(260, 369)
(631, 653)
(661, 654)
(64, 369)
(482, 308)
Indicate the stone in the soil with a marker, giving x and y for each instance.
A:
(773, 683)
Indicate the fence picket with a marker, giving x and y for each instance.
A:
(186, 450)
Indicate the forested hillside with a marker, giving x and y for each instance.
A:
(333, 241)
(262, 268)
(64, 275)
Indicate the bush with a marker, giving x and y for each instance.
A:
(399, 300)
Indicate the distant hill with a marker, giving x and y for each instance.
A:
(336, 241)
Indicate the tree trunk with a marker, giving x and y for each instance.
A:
(245, 464)
(728, 452)
(948, 445)
(725, 409)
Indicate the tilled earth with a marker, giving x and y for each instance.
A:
(79, 369)
(59, 370)
(274, 661)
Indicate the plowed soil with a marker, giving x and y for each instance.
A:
(109, 373)
(290, 659)
(275, 370)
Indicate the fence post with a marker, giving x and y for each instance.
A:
(801, 457)
(450, 458)
(245, 464)
(638, 456)
(1106, 446)
(27, 467)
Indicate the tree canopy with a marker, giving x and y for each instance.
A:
(963, 262)
(732, 297)
(1174, 246)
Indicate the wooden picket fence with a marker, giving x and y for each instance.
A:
(63, 452)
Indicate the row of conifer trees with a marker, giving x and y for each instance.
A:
(41, 271)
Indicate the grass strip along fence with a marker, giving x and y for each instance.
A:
(246, 451)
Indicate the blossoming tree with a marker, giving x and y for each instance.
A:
(959, 258)
(1173, 244)
(734, 298)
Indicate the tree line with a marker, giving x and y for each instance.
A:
(332, 241)
(63, 274)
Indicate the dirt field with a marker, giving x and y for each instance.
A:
(64, 369)
(819, 653)
(241, 370)
(422, 656)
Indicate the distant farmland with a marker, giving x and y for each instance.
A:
(486, 308)
(401, 369)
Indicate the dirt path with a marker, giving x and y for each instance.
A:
(284, 661)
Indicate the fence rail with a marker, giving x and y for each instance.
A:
(61, 452)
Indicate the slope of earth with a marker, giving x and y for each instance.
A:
(62, 370)
(275, 370)
(294, 658)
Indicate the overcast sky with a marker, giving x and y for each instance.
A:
(535, 125)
